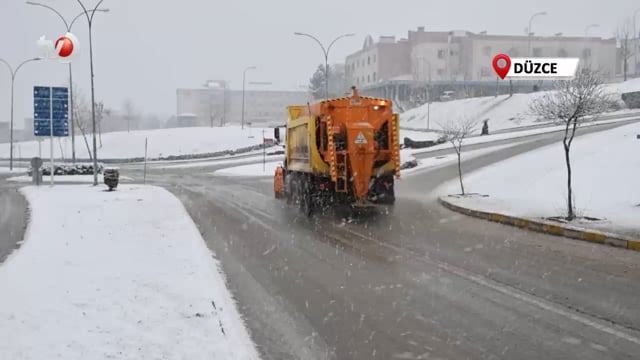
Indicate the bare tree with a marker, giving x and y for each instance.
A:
(81, 115)
(455, 131)
(625, 42)
(99, 107)
(569, 104)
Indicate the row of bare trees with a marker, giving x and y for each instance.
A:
(571, 102)
(82, 116)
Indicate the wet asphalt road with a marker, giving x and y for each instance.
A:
(418, 282)
(413, 282)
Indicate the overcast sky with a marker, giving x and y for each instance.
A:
(145, 49)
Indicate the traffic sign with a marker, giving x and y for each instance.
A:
(50, 107)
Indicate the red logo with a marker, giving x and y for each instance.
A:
(64, 46)
(502, 69)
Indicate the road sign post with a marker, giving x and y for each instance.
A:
(51, 115)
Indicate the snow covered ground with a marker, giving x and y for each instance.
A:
(508, 135)
(606, 173)
(132, 280)
(503, 112)
(161, 143)
(245, 160)
(250, 170)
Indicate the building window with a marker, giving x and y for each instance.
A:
(368, 79)
(562, 53)
(441, 54)
(374, 58)
(486, 71)
(513, 52)
(368, 60)
(537, 51)
(586, 53)
(486, 51)
(374, 76)
(440, 72)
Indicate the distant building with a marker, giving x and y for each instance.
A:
(217, 105)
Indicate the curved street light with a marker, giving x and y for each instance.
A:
(326, 56)
(13, 78)
(244, 75)
(93, 99)
(531, 32)
(68, 26)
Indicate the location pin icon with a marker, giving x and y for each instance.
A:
(504, 70)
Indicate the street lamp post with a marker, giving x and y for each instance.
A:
(93, 100)
(529, 32)
(68, 26)
(13, 79)
(326, 56)
(244, 75)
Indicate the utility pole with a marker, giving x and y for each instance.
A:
(93, 99)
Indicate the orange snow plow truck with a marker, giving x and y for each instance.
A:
(342, 151)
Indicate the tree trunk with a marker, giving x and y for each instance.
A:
(86, 142)
(460, 174)
(570, 213)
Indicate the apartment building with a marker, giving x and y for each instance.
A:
(449, 60)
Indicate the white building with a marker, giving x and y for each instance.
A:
(219, 105)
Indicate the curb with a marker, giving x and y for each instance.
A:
(548, 227)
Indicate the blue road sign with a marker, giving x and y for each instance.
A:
(50, 105)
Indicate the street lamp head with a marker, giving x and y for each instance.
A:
(298, 33)
(542, 13)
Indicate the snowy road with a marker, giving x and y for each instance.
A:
(421, 282)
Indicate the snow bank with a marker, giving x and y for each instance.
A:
(161, 143)
(503, 112)
(83, 179)
(5, 170)
(606, 171)
(120, 274)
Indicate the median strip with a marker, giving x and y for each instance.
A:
(548, 227)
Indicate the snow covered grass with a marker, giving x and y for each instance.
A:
(121, 274)
(606, 171)
(503, 112)
(250, 170)
(245, 160)
(84, 179)
(161, 143)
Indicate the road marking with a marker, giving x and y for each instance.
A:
(513, 292)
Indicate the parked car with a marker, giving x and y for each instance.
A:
(448, 96)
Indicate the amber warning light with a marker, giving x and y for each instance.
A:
(534, 68)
